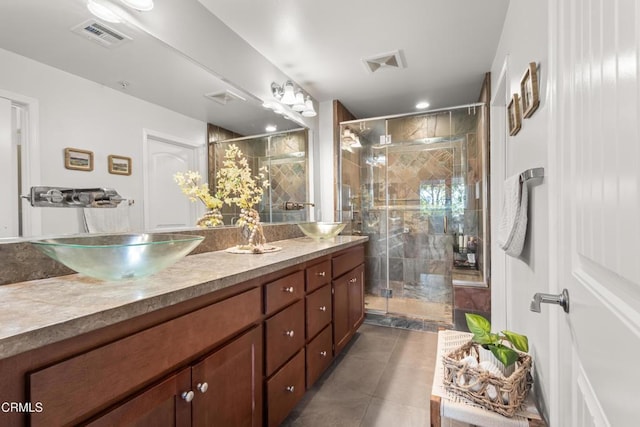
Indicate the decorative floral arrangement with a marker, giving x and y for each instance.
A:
(189, 183)
(237, 186)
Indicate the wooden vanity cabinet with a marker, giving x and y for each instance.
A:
(348, 296)
(79, 387)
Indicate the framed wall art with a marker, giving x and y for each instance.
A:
(119, 165)
(513, 113)
(529, 90)
(76, 159)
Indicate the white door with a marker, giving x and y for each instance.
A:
(165, 206)
(8, 173)
(595, 178)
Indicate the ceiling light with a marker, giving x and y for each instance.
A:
(271, 128)
(422, 105)
(103, 10)
(141, 5)
(309, 111)
(299, 105)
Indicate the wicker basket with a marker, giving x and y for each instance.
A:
(503, 395)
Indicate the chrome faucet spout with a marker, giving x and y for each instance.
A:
(62, 197)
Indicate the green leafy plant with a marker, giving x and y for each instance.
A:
(482, 335)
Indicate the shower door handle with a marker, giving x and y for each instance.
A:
(445, 224)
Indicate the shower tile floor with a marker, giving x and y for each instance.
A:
(382, 378)
(436, 312)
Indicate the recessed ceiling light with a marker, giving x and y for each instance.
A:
(422, 105)
(103, 10)
(271, 128)
(141, 5)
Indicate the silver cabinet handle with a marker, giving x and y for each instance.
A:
(323, 353)
(323, 308)
(321, 274)
(354, 280)
(289, 333)
(202, 387)
(290, 388)
(560, 299)
(288, 289)
(187, 395)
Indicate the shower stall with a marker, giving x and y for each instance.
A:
(416, 185)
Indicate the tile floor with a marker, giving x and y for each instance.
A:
(382, 378)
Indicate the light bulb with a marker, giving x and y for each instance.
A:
(289, 96)
(309, 110)
(299, 105)
(141, 5)
(103, 10)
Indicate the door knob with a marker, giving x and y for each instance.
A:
(560, 299)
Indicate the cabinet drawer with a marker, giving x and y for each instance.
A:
(347, 261)
(85, 384)
(283, 292)
(318, 310)
(285, 389)
(318, 275)
(284, 336)
(319, 355)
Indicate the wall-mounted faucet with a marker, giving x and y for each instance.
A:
(296, 206)
(60, 197)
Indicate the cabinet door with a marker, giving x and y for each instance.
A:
(356, 298)
(340, 312)
(228, 384)
(160, 405)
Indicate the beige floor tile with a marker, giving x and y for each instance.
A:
(383, 413)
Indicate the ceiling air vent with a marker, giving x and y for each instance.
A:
(384, 60)
(224, 97)
(100, 33)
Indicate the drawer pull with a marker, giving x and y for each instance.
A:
(323, 308)
(323, 353)
(187, 395)
(288, 289)
(290, 388)
(289, 333)
(321, 274)
(202, 387)
(354, 280)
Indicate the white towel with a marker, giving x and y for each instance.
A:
(513, 221)
(107, 220)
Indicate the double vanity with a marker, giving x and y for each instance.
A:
(216, 339)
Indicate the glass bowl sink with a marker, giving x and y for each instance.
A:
(119, 256)
(321, 230)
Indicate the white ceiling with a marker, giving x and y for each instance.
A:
(180, 51)
(448, 46)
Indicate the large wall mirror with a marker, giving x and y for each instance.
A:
(132, 92)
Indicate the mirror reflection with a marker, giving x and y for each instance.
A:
(139, 99)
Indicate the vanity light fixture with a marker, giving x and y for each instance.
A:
(140, 5)
(309, 111)
(288, 95)
(104, 10)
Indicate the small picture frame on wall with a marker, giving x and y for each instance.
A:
(119, 165)
(529, 90)
(513, 114)
(75, 159)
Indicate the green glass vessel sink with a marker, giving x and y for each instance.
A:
(321, 230)
(119, 256)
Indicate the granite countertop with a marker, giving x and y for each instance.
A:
(41, 312)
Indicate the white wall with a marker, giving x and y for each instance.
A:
(78, 113)
(523, 40)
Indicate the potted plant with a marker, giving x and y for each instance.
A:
(482, 335)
